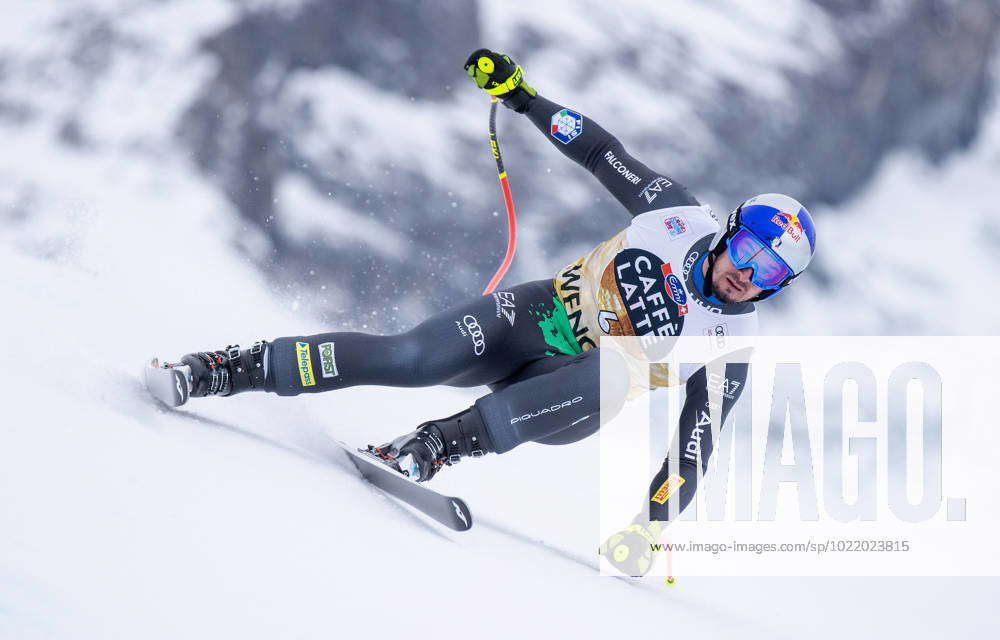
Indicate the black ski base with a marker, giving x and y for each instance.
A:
(450, 511)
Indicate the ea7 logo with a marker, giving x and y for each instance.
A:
(654, 188)
(505, 305)
(723, 385)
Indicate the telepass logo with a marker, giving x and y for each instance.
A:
(305, 364)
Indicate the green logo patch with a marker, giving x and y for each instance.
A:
(328, 360)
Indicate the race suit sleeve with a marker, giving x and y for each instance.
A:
(706, 393)
(632, 183)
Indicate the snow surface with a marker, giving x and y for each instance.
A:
(118, 520)
(121, 520)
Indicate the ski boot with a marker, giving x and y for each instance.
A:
(421, 453)
(227, 372)
(208, 373)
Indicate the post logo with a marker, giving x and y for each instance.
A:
(566, 125)
(328, 360)
(305, 364)
(668, 488)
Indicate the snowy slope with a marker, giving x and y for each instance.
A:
(119, 521)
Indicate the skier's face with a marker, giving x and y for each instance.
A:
(730, 284)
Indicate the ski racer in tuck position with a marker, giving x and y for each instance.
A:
(673, 271)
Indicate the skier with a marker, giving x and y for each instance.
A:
(673, 271)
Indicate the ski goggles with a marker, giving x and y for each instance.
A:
(747, 250)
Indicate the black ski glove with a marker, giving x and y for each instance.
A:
(498, 75)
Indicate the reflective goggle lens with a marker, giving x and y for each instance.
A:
(747, 250)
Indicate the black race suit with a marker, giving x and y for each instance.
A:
(518, 341)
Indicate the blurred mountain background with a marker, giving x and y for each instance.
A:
(344, 153)
(184, 174)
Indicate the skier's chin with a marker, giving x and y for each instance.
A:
(726, 292)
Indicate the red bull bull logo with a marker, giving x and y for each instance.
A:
(789, 223)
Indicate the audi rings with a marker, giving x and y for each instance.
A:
(478, 339)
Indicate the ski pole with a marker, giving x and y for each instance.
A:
(508, 200)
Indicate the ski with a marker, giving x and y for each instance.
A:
(168, 383)
(171, 385)
(450, 511)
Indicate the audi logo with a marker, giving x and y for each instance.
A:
(720, 336)
(478, 340)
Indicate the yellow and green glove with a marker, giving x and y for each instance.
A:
(631, 549)
(498, 75)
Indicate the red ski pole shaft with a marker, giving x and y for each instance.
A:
(508, 202)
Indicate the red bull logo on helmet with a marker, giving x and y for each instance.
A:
(792, 236)
(790, 224)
